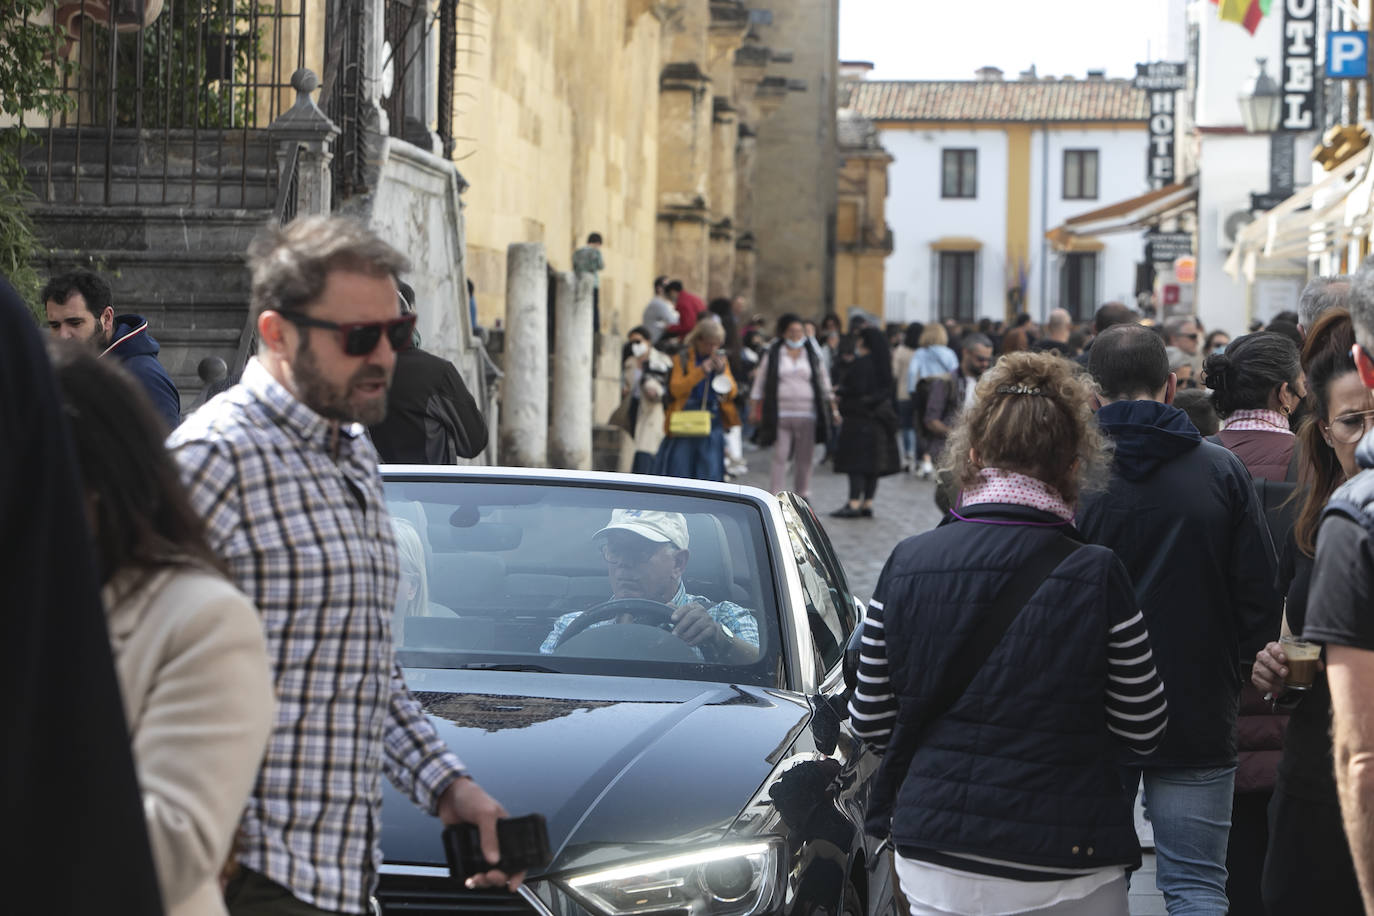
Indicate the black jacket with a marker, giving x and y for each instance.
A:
(136, 349)
(1022, 767)
(868, 422)
(1182, 516)
(430, 416)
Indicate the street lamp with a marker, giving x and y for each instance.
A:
(1261, 102)
(1261, 110)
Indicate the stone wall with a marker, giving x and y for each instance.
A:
(557, 117)
(794, 188)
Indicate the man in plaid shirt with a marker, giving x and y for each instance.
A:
(286, 479)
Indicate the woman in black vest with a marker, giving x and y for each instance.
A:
(1005, 667)
(792, 404)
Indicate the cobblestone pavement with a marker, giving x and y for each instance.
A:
(905, 505)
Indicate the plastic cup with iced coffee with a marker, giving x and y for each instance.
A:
(1302, 662)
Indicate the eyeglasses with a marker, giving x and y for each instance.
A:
(361, 337)
(1351, 427)
(629, 554)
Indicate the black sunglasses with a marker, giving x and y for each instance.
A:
(361, 337)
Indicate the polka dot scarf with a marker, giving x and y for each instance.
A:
(1008, 487)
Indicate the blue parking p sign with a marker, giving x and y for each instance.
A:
(1347, 55)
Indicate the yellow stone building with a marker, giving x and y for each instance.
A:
(644, 121)
(862, 238)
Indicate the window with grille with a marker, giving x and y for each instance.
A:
(1078, 285)
(958, 274)
(959, 173)
(1080, 174)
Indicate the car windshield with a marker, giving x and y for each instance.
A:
(579, 579)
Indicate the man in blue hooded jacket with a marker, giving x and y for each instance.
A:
(1183, 517)
(80, 307)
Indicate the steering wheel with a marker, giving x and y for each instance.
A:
(661, 615)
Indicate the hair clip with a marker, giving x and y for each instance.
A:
(1018, 388)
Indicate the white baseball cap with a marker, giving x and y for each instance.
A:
(659, 527)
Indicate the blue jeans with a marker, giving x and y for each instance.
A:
(1190, 811)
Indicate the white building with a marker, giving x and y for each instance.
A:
(983, 169)
(1234, 165)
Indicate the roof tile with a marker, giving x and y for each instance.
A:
(997, 100)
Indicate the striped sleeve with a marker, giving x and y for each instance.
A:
(873, 707)
(1137, 712)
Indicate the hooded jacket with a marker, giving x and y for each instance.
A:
(1184, 519)
(137, 350)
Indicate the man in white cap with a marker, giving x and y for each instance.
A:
(646, 556)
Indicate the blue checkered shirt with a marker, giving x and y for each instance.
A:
(734, 618)
(293, 502)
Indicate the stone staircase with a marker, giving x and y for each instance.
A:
(178, 263)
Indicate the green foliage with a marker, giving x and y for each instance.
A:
(197, 60)
(31, 74)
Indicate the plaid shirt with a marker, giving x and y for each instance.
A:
(734, 618)
(293, 502)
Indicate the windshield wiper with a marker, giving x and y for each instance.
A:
(505, 666)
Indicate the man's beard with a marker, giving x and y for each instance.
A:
(100, 339)
(329, 401)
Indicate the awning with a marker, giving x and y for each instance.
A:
(1130, 215)
(956, 243)
(1314, 220)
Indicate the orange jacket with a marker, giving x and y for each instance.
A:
(686, 376)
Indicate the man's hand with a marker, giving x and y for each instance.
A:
(464, 802)
(1271, 667)
(694, 626)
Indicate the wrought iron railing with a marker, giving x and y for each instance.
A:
(168, 100)
(407, 68)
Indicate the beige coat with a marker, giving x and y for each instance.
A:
(198, 695)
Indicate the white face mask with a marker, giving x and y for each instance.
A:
(639, 348)
(794, 344)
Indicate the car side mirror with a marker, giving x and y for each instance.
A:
(852, 650)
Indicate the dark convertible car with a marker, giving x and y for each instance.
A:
(536, 625)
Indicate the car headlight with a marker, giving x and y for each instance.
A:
(732, 880)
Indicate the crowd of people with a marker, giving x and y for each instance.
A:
(1153, 576)
(876, 400)
(1156, 568)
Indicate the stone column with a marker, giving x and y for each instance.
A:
(728, 30)
(724, 138)
(570, 431)
(525, 388)
(684, 149)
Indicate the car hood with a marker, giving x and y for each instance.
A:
(618, 766)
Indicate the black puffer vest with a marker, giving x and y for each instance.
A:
(1355, 498)
(1022, 768)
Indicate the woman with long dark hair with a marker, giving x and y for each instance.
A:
(1307, 845)
(867, 447)
(188, 646)
(792, 404)
(999, 786)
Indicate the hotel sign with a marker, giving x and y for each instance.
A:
(1298, 81)
(1162, 79)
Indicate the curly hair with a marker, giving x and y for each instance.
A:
(1032, 415)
